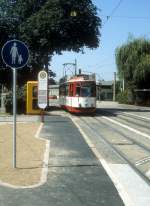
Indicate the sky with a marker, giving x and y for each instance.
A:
(127, 17)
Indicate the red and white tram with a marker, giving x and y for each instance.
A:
(78, 94)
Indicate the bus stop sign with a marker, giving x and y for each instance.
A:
(15, 54)
(42, 89)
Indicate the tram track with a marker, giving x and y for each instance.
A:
(134, 121)
(123, 135)
(112, 112)
(94, 126)
(126, 118)
(146, 119)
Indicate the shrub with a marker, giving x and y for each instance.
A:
(122, 97)
(20, 97)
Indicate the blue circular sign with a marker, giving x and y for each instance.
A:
(15, 54)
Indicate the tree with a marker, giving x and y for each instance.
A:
(133, 64)
(53, 26)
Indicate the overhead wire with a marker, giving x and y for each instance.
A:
(129, 17)
(112, 12)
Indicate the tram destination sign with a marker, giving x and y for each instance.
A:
(42, 89)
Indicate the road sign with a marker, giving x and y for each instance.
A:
(42, 89)
(15, 54)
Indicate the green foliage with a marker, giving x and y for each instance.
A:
(53, 29)
(21, 100)
(122, 97)
(133, 63)
(48, 27)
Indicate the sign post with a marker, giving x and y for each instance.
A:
(14, 117)
(15, 55)
(42, 91)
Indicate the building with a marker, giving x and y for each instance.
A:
(105, 90)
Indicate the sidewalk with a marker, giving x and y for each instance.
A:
(29, 155)
(75, 176)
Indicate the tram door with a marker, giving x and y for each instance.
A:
(78, 91)
(71, 94)
(32, 98)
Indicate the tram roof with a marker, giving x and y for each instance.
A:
(82, 77)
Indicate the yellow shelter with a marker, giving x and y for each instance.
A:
(32, 98)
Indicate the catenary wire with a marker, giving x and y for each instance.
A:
(112, 12)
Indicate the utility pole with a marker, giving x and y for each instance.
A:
(72, 67)
(123, 84)
(75, 67)
(114, 87)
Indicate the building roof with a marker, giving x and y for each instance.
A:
(105, 83)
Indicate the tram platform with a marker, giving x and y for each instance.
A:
(75, 176)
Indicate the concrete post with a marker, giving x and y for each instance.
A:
(114, 87)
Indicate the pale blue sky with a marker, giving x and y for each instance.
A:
(132, 16)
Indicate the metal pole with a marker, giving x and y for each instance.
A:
(75, 65)
(114, 87)
(42, 115)
(14, 117)
(63, 70)
(123, 84)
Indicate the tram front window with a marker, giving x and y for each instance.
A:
(86, 92)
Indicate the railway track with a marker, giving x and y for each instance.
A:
(134, 141)
(135, 121)
(133, 151)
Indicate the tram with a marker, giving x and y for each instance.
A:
(78, 94)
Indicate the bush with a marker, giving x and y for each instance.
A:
(20, 97)
(122, 97)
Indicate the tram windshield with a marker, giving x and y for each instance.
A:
(86, 90)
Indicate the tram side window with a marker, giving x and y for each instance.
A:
(71, 90)
(78, 89)
(67, 90)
